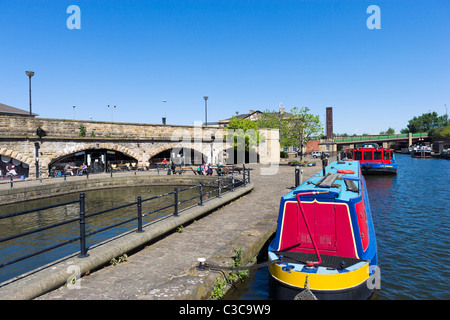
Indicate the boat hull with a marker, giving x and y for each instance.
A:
(378, 168)
(279, 290)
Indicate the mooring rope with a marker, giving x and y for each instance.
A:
(207, 266)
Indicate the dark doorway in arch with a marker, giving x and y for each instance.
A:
(96, 160)
(179, 156)
(10, 167)
(233, 156)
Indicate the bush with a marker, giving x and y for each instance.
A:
(284, 154)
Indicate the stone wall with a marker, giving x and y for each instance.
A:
(19, 140)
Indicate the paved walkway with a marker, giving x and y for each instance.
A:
(166, 268)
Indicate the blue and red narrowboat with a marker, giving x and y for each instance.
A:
(325, 238)
(374, 160)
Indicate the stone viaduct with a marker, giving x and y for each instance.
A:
(20, 140)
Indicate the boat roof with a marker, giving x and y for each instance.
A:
(334, 185)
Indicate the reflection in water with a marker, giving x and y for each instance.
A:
(96, 201)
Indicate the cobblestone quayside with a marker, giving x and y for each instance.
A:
(166, 269)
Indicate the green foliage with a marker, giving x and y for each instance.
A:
(218, 290)
(243, 132)
(120, 259)
(82, 131)
(388, 131)
(425, 123)
(442, 132)
(297, 127)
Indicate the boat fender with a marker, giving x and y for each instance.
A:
(346, 171)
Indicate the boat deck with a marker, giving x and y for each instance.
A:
(332, 262)
(342, 186)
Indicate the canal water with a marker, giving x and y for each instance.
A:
(96, 201)
(411, 214)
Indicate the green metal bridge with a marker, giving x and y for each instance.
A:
(410, 138)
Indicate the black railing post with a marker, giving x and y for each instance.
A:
(201, 194)
(248, 175)
(176, 201)
(297, 176)
(139, 208)
(83, 251)
(245, 181)
(232, 183)
(11, 178)
(219, 189)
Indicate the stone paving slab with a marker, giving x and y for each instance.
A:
(166, 268)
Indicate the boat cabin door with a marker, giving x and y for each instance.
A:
(321, 219)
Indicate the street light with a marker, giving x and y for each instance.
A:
(30, 74)
(206, 110)
(73, 112)
(164, 119)
(112, 109)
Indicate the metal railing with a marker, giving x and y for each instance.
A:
(379, 137)
(139, 215)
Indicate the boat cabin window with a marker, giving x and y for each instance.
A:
(368, 155)
(358, 155)
(377, 155)
(386, 155)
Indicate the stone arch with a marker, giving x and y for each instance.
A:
(14, 164)
(91, 146)
(169, 146)
(16, 155)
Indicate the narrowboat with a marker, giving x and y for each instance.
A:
(373, 159)
(325, 239)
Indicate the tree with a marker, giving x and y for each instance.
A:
(297, 127)
(245, 138)
(243, 130)
(275, 120)
(388, 131)
(425, 123)
(302, 126)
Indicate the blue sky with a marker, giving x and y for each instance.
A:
(242, 54)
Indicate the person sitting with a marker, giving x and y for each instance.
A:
(83, 169)
(68, 169)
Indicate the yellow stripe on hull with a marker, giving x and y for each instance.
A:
(329, 282)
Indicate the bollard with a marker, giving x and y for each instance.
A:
(297, 176)
(139, 209)
(175, 201)
(11, 181)
(83, 251)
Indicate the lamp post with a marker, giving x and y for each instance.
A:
(73, 112)
(112, 109)
(206, 110)
(30, 74)
(164, 119)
